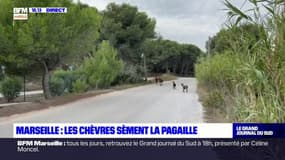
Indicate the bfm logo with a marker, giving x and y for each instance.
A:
(20, 10)
(25, 143)
(20, 13)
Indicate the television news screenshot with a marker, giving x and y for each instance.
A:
(142, 79)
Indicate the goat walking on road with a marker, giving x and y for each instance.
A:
(160, 81)
(174, 85)
(184, 88)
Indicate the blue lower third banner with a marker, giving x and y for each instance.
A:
(142, 130)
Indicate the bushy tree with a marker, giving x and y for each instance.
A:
(126, 28)
(103, 67)
(170, 56)
(230, 38)
(46, 40)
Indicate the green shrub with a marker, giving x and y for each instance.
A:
(218, 71)
(102, 69)
(67, 76)
(129, 75)
(215, 99)
(79, 86)
(57, 86)
(11, 87)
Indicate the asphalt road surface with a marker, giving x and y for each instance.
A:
(145, 104)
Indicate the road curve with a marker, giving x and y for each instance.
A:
(145, 104)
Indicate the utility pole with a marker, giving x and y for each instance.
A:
(24, 87)
(144, 66)
(3, 70)
(209, 45)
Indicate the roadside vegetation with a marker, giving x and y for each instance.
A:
(86, 49)
(11, 87)
(244, 72)
(96, 72)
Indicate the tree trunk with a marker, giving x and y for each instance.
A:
(45, 82)
(182, 68)
(186, 71)
(167, 67)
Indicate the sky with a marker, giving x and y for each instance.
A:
(185, 21)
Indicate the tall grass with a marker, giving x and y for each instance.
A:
(217, 75)
(251, 79)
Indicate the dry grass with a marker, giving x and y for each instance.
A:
(168, 77)
(211, 114)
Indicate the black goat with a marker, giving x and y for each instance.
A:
(174, 85)
(185, 88)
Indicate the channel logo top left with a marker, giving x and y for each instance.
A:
(20, 13)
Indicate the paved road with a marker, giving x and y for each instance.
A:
(146, 104)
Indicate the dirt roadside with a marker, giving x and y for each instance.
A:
(211, 114)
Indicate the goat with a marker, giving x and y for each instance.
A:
(160, 81)
(185, 88)
(174, 85)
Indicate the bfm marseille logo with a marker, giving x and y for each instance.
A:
(20, 13)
